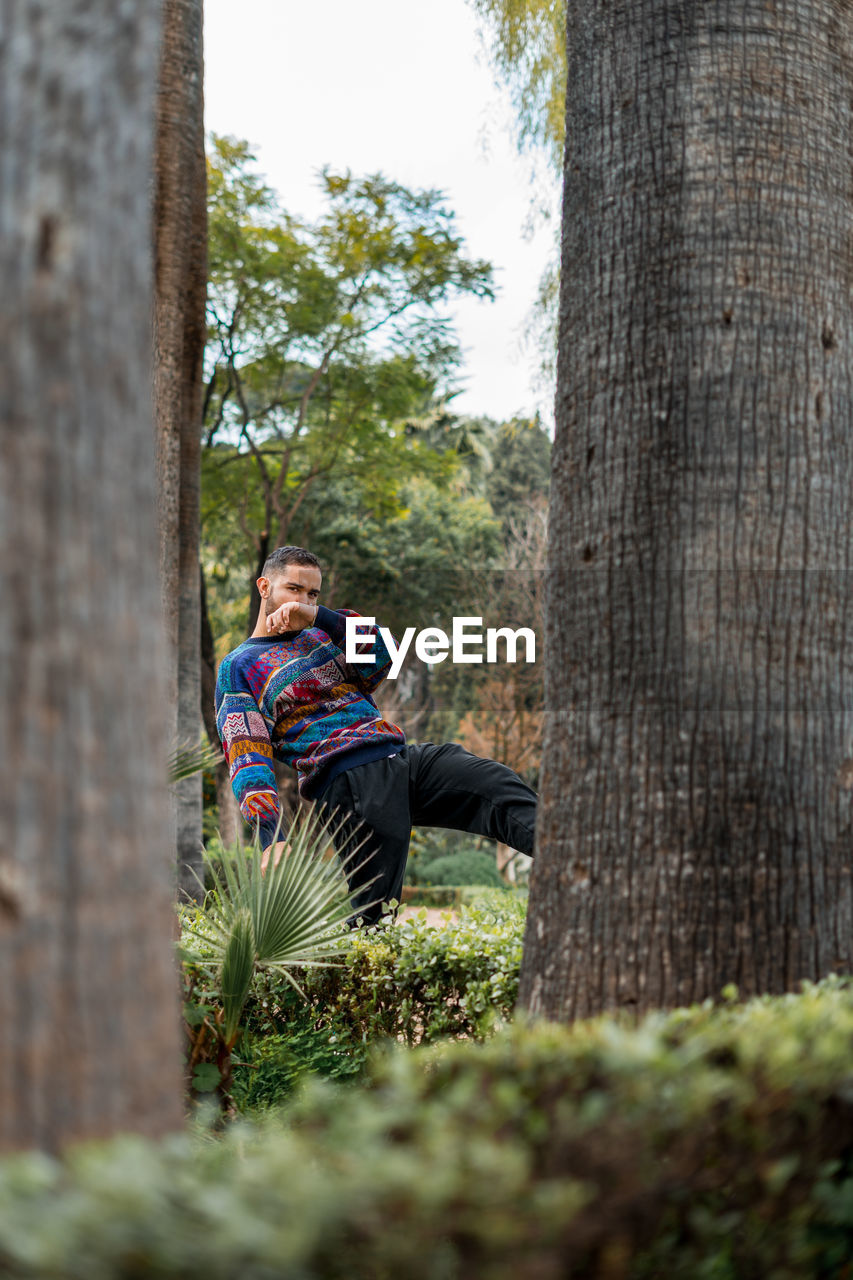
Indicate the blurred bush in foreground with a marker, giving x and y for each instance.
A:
(711, 1142)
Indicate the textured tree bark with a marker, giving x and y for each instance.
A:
(180, 250)
(695, 801)
(90, 1039)
(230, 818)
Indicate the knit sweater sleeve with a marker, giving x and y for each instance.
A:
(366, 676)
(248, 751)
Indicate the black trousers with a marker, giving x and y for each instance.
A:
(425, 785)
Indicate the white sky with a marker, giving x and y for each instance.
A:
(403, 88)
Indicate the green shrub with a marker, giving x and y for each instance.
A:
(428, 844)
(412, 981)
(706, 1143)
(291, 916)
(469, 866)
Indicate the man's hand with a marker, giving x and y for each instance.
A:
(265, 857)
(291, 616)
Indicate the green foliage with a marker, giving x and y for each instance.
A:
(469, 866)
(409, 566)
(412, 982)
(324, 336)
(712, 1142)
(521, 466)
(430, 843)
(527, 45)
(271, 1066)
(418, 983)
(284, 918)
(185, 762)
(327, 341)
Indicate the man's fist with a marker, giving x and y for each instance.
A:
(291, 616)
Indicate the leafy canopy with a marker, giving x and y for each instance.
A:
(325, 339)
(345, 309)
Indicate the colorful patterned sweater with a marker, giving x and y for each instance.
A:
(295, 697)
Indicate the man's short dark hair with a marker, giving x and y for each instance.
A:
(278, 560)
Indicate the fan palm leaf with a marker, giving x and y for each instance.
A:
(184, 762)
(292, 915)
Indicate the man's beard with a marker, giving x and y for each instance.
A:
(270, 608)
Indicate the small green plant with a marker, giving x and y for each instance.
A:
(428, 844)
(271, 1066)
(288, 916)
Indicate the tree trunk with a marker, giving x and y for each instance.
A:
(263, 551)
(180, 247)
(230, 818)
(90, 1039)
(694, 827)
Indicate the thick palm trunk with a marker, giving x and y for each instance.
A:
(695, 824)
(180, 227)
(88, 1002)
(230, 819)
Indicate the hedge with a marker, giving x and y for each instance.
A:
(712, 1142)
(414, 982)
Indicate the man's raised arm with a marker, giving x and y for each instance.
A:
(248, 750)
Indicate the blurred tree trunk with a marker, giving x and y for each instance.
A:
(263, 550)
(230, 818)
(88, 1004)
(180, 248)
(695, 814)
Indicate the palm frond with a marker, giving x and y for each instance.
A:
(238, 967)
(186, 761)
(292, 915)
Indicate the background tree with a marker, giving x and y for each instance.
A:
(180, 258)
(695, 818)
(88, 1001)
(324, 338)
(517, 483)
(506, 716)
(493, 710)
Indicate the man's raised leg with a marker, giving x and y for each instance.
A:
(451, 787)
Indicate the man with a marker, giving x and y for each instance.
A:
(289, 692)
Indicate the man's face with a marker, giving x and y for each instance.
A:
(299, 582)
